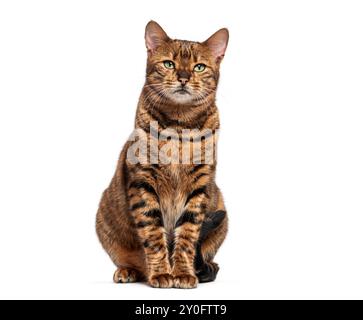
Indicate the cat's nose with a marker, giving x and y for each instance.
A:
(183, 81)
(183, 77)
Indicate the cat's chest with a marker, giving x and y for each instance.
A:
(173, 191)
(176, 175)
(173, 178)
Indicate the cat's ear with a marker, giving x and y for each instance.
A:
(154, 36)
(217, 43)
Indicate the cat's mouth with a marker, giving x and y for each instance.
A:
(182, 91)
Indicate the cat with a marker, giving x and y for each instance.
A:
(163, 222)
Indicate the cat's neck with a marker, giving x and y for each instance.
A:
(176, 116)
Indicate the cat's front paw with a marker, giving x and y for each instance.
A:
(161, 281)
(185, 281)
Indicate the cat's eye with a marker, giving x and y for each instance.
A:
(200, 67)
(169, 64)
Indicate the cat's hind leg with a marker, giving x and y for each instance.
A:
(130, 262)
(120, 241)
(130, 265)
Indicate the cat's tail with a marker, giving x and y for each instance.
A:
(211, 222)
(207, 271)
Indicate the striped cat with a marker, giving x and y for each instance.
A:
(162, 218)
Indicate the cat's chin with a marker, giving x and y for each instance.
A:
(182, 98)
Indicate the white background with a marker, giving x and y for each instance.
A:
(290, 156)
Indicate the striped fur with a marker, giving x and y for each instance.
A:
(164, 223)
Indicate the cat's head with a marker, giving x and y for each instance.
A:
(183, 72)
